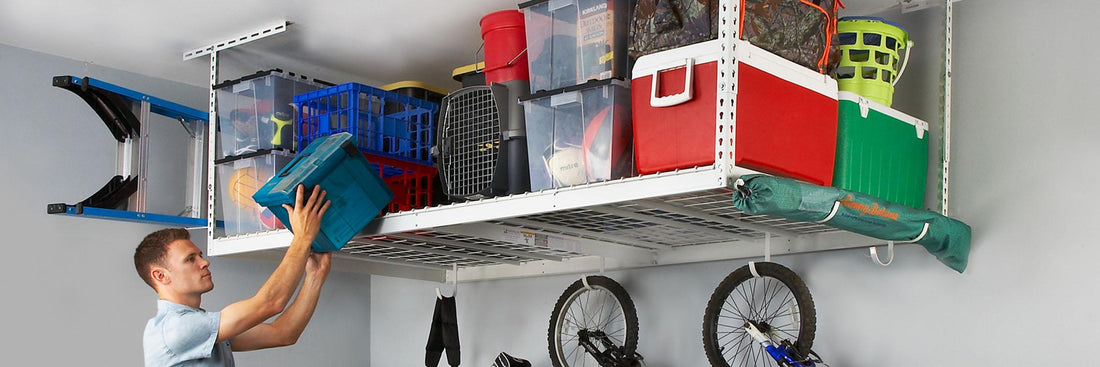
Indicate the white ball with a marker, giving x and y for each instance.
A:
(567, 167)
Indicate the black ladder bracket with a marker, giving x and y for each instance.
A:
(113, 109)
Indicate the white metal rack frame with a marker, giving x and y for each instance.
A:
(666, 218)
(212, 108)
(673, 217)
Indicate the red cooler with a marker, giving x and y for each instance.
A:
(786, 121)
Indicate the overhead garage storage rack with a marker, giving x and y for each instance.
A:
(666, 218)
(674, 217)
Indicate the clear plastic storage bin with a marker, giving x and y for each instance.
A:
(573, 41)
(238, 178)
(579, 134)
(256, 112)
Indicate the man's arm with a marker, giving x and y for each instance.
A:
(276, 292)
(286, 329)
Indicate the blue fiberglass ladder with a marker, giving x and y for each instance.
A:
(123, 197)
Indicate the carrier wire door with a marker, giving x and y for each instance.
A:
(482, 144)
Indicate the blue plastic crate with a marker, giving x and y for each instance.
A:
(381, 122)
(356, 190)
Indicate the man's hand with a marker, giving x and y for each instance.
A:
(319, 264)
(305, 219)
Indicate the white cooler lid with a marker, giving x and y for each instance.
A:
(865, 105)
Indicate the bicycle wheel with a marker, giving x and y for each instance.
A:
(777, 301)
(605, 307)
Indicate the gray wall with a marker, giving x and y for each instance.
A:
(1023, 173)
(71, 295)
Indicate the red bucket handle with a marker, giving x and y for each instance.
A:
(509, 64)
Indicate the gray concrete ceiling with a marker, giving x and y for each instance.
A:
(369, 41)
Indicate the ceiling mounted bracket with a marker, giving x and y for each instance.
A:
(271, 30)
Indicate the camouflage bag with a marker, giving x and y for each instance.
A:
(660, 25)
(802, 31)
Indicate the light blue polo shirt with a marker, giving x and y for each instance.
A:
(183, 336)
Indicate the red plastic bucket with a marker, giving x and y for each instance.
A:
(505, 46)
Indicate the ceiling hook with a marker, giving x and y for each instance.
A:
(454, 277)
(889, 251)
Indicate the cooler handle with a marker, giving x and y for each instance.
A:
(675, 99)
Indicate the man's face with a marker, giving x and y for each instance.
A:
(187, 268)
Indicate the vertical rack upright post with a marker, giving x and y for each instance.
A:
(948, 10)
(726, 114)
(213, 50)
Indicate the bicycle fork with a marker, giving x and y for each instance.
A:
(783, 353)
(612, 355)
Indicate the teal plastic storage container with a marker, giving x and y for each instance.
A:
(356, 190)
(880, 151)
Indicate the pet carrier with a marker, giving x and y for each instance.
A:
(481, 152)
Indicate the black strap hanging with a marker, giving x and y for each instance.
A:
(443, 334)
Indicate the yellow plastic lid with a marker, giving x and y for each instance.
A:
(468, 69)
(415, 84)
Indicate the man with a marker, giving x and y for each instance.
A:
(183, 334)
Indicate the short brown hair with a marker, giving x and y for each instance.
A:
(154, 248)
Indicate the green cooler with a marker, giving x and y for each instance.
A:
(880, 151)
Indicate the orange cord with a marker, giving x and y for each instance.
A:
(828, 35)
(830, 28)
(741, 22)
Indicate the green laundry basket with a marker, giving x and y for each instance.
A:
(870, 50)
